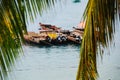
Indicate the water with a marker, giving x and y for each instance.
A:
(109, 67)
(55, 62)
(65, 15)
(61, 62)
(47, 63)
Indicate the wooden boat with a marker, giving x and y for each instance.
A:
(56, 38)
(80, 29)
(49, 35)
(49, 27)
(75, 37)
(53, 28)
(45, 38)
(35, 38)
(80, 26)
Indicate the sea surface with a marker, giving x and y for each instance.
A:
(61, 62)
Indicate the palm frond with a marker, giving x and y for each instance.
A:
(99, 30)
(34, 7)
(12, 26)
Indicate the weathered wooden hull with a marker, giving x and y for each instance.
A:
(41, 39)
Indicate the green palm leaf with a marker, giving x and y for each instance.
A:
(12, 26)
(99, 30)
(100, 25)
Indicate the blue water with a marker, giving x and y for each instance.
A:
(61, 62)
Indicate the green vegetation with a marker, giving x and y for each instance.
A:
(100, 26)
(100, 16)
(12, 25)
